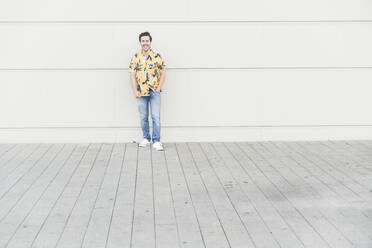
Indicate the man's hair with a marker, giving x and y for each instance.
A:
(145, 34)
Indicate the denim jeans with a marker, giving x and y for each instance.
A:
(143, 107)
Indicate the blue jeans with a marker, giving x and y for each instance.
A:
(143, 107)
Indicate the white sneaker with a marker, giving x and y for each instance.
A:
(158, 146)
(144, 143)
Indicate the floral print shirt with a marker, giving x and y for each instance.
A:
(147, 71)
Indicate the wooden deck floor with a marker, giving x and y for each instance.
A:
(214, 195)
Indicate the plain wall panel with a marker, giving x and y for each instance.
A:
(190, 98)
(188, 45)
(57, 98)
(237, 70)
(317, 97)
(191, 10)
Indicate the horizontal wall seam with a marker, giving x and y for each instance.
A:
(131, 127)
(183, 21)
(196, 68)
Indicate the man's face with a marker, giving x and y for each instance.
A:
(145, 43)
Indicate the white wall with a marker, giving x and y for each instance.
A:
(237, 70)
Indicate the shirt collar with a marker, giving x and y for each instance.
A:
(151, 53)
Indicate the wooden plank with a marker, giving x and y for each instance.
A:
(42, 210)
(348, 158)
(143, 233)
(122, 217)
(188, 225)
(356, 234)
(23, 164)
(23, 194)
(256, 194)
(257, 187)
(5, 149)
(99, 223)
(353, 180)
(18, 190)
(233, 183)
(39, 196)
(277, 186)
(6, 156)
(234, 228)
(357, 155)
(353, 151)
(320, 169)
(336, 166)
(359, 147)
(367, 165)
(210, 224)
(367, 144)
(53, 226)
(310, 172)
(307, 194)
(77, 223)
(5, 159)
(166, 229)
(11, 161)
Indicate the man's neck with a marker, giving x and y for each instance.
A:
(145, 53)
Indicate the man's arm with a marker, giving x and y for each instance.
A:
(161, 80)
(137, 94)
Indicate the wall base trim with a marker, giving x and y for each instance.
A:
(185, 134)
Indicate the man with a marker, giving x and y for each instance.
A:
(147, 74)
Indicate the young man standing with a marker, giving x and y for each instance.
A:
(147, 74)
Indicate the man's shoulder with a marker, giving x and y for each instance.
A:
(156, 54)
(136, 55)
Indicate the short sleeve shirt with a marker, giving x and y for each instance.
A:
(147, 71)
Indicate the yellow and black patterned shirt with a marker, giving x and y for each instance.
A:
(147, 71)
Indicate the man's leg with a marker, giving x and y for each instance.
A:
(143, 109)
(155, 102)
